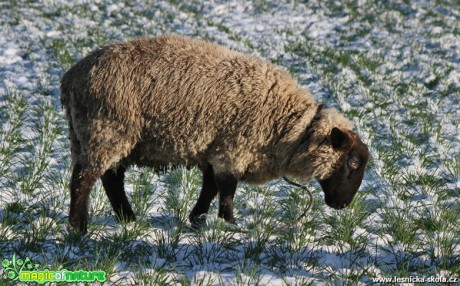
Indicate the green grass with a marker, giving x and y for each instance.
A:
(383, 65)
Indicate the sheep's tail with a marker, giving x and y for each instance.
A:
(75, 147)
(65, 92)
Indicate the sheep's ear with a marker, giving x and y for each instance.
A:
(320, 107)
(339, 139)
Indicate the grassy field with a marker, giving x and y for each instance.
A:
(393, 68)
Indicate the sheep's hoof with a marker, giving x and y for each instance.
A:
(198, 221)
(78, 220)
(78, 225)
(231, 221)
(232, 227)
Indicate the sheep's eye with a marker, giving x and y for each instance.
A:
(353, 163)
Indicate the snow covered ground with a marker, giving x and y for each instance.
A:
(393, 67)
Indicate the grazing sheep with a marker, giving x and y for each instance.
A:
(174, 100)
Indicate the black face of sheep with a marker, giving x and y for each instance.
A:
(340, 188)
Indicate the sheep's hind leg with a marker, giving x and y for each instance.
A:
(227, 187)
(113, 182)
(106, 143)
(80, 186)
(208, 191)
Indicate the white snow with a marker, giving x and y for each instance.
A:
(294, 35)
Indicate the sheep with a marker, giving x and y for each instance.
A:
(173, 100)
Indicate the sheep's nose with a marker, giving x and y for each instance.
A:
(337, 204)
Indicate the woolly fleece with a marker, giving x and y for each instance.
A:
(175, 100)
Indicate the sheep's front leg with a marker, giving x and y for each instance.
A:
(113, 182)
(227, 187)
(208, 191)
(80, 186)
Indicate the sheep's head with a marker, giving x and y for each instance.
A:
(341, 185)
(333, 155)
